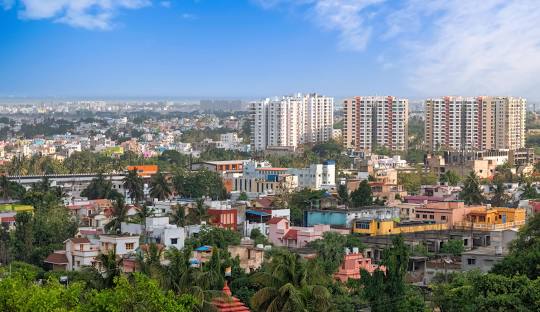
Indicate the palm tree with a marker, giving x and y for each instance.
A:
(471, 193)
(178, 216)
(5, 188)
(500, 198)
(528, 191)
(143, 213)
(109, 267)
(199, 213)
(119, 214)
(287, 286)
(159, 187)
(149, 260)
(134, 184)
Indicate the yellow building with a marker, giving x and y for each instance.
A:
(486, 218)
(16, 208)
(390, 227)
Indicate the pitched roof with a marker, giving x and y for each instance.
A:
(291, 234)
(275, 220)
(264, 202)
(56, 258)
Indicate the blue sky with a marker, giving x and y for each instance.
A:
(253, 48)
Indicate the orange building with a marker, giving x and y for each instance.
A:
(144, 171)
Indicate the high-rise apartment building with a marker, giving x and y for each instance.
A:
(375, 121)
(291, 120)
(475, 123)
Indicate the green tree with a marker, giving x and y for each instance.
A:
(287, 285)
(528, 191)
(471, 193)
(100, 188)
(243, 196)
(343, 194)
(387, 290)
(199, 213)
(450, 177)
(303, 200)
(331, 249)
(109, 267)
(500, 198)
(159, 187)
(134, 184)
(178, 215)
(410, 181)
(453, 247)
(119, 215)
(524, 255)
(362, 196)
(24, 236)
(213, 236)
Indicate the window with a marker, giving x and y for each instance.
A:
(432, 217)
(130, 246)
(174, 241)
(418, 215)
(443, 218)
(471, 261)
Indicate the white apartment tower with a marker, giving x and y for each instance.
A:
(291, 120)
(375, 121)
(475, 123)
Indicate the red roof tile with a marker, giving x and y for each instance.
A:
(275, 220)
(56, 258)
(291, 234)
(228, 303)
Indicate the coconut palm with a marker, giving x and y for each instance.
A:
(133, 183)
(5, 188)
(528, 191)
(143, 213)
(159, 187)
(109, 267)
(500, 198)
(199, 213)
(178, 216)
(149, 260)
(119, 215)
(471, 193)
(287, 286)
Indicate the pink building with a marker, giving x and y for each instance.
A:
(281, 234)
(352, 264)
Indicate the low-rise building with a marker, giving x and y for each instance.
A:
(251, 257)
(353, 263)
(345, 217)
(375, 227)
(158, 230)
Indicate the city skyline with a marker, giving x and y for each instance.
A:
(143, 48)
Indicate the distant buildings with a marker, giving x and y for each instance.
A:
(475, 123)
(291, 120)
(375, 121)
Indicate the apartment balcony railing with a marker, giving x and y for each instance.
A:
(467, 225)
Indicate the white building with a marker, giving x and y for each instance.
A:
(475, 123)
(291, 120)
(158, 228)
(375, 121)
(121, 244)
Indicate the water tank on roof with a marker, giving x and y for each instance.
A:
(260, 246)
(355, 250)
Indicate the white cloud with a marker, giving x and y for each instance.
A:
(347, 17)
(89, 14)
(165, 4)
(441, 46)
(487, 47)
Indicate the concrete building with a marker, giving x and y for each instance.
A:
(345, 217)
(375, 121)
(121, 244)
(353, 263)
(475, 123)
(251, 257)
(291, 120)
(159, 230)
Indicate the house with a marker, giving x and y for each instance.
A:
(486, 218)
(223, 217)
(251, 258)
(353, 263)
(144, 171)
(77, 253)
(281, 234)
(159, 230)
(345, 217)
(375, 227)
(121, 244)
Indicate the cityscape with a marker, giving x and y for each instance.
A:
(234, 178)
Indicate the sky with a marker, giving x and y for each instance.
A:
(258, 48)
